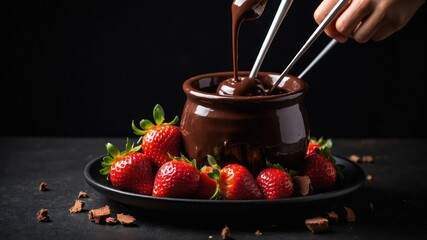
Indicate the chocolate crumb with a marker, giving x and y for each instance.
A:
(83, 195)
(367, 159)
(125, 219)
(332, 216)
(111, 221)
(354, 158)
(99, 215)
(77, 207)
(317, 224)
(43, 186)
(225, 233)
(350, 216)
(302, 185)
(42, 215)
(369, 177)
(258, 233)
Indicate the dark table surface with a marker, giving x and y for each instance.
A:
(391, 205)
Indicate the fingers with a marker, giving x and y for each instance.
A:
(322, 11)
(364, 20)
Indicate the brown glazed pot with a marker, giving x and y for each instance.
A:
(245, 129)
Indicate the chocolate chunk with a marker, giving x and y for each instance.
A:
(99, 215)
(367, 159)
(225, 233)
(42, 215)
(354, 158)
(317, 224)
(302, 185)
(332, 216)
(125, 219)
(111, 220)
(83, 195)
(77, 207)
(350, 216)
(43, 186)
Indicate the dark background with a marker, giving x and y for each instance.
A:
(88, 68)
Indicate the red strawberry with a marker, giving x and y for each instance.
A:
(177, 178)
(320, 167)
(129, 170)
(320, 143)
(237, 183)
(275, 182)
(209, 176)
(160, 139)
(208, 186)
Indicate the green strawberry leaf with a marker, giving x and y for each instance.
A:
(145, 125)
(105, 171)
(112, 150)
(158, 114)
(113, 153)
(322, 142)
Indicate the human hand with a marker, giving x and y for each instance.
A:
(364, 20)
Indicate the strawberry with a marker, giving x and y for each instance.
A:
(160, 139)
(208, 186)
(320, 143)
(129, 170)
(177, 178)
(209, 175)
(237, 183)
(275, 182)
(322, 170)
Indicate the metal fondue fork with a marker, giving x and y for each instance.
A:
(278, 18)
(318, 57)
(310, 41)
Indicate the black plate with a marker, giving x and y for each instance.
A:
(353, 179)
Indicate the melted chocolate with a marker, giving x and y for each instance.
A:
(242, 10)
(246, 86)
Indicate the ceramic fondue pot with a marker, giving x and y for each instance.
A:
(249, 130)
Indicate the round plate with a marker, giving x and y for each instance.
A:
(353, 179)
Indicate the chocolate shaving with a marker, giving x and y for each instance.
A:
(77, 207)
(43, 186)
(83, 195)
(225, 233)
(350, 216)
(302, 185)
(111, 221)
(367, 159)
(99, 215)
(125, 219)
(317, 224)
(42, 215)
(332, 216)
(354, 158)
